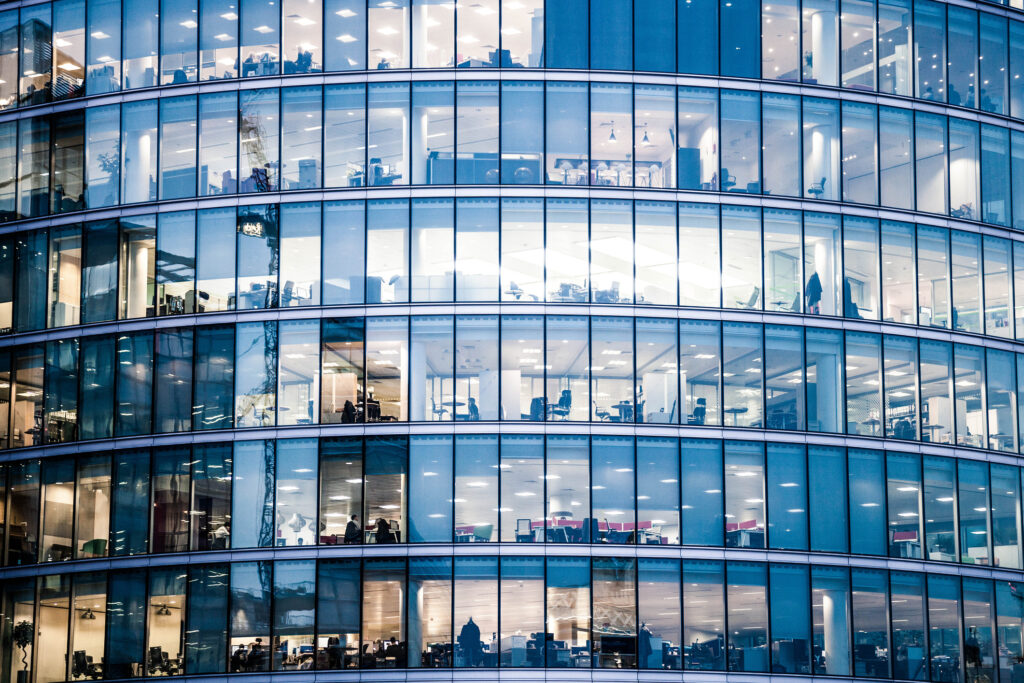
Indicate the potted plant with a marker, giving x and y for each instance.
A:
(22, 636)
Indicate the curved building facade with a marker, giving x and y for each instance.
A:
(512, 339)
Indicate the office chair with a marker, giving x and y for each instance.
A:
(97, 547)
(755, 296)
(602, 415)
(82, 665)
(728, 181)
(524, 531)
(817, 189)
(699, 412)
(564, 405)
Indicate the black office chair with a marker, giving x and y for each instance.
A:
(728, 181)
(817, 189)
(699, 412)
(564, 405)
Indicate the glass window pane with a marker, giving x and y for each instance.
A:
(211, 496)
(252, 524)
(659, 603)
(475, 613)
(969, 386)
(387, 113)
(698, 130)
(476, 363)
(386, 369)
(903, 472)
(940, 508)
(522, 611)
(567, 498)
(341, 495)
(433, 249)
(522, 492)
(476, 249)
(568, 610)
(341, 362)
(344, 231)
(863, 383)
(522, 249)
(821, 132)
(215, 268)
(258, 256)
(261, 34)
(568, 368)
(344, 35)
(614, 581)
(383, 622)
(302, 36)
(700, 274)
(742, 370)
(176, 263)
(782, 260)
(741, 118)
(567, 132)
(898, 277)
(178, 42)
(345, 135)
(214, 379)
(140, 57)
(477, 124)
(699, 370)
(300, 253)
(387, 256)
(430, 489)
(218, 40)
(790, 618)
(251, 591)
(258, 137)
(826, 489)
(432, 369)
(1001, 401)
(860, 258)
(784, 377)
(746, 584)
(433, 133)
(611, 262)
(337, 613)
(782, 157)
(295, 496)
(744, 495)
(476, 489)
(867, 502)
(896, 153)
(704, 614)
(255, 376)
(964, 183)
(909, 625)
(613, 482)
(301, 109)
(388, 31)
(298, 377)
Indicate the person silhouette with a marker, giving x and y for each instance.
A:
(469, 641)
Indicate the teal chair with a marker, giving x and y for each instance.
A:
(97, 547)
(482, 533)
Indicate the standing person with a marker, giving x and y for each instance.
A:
(469, 641)
(353, 534)
(383, 531)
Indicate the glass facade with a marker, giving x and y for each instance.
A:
(640, 335)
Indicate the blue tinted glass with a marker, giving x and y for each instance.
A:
(611, 34)
(698, 36)
(867, 502)
(741, 43)
(567, 34)
(654, 31)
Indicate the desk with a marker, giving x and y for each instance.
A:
(625, 409)
(735, 412)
